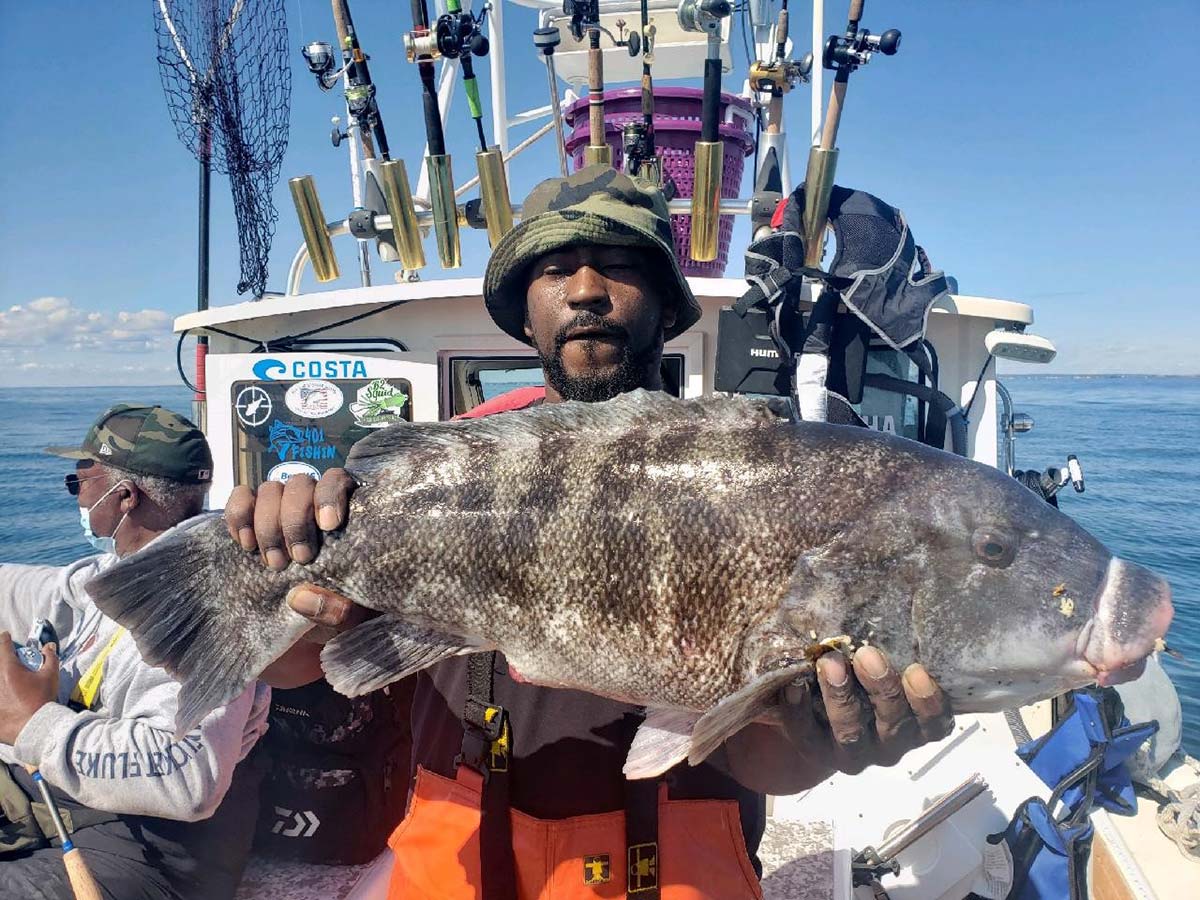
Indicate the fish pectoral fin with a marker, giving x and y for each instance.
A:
(738, 710)
(662, 740)
(385, 649)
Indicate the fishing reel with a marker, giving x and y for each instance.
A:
(854, 48)
(779, 76)
(585, 15)
(703, 15)
(318, 56)
(455, 34)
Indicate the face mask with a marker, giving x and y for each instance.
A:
(101, 544)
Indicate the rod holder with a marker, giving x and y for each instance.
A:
(818, 184)
(445, 211)
(597, 156)
(706, 199)
(398, 196)
(312, 226)
(493, 191)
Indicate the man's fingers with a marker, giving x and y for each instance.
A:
(332, 498)
(322, 606)
(296, 519)
(239, 517)
(799, 718)
(267, 529)
(928, 703)
(845, 711)
(895, 725)
(49, 669)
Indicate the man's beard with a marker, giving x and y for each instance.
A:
(629, 373)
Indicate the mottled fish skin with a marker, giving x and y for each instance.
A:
(661, 552)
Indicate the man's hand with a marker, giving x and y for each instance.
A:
(284, 522)
(24, 692)
(866, 714)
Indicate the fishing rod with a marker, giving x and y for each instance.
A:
(842, 54)
(775, 78)
(706, 16)
(458, 34)
(386, 182)
(546, 40)
(420, 46)
(585, 19)
(83, 883)
(641, 155)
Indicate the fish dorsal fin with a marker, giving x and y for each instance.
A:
(640, 407)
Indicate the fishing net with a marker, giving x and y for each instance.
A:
(228, 86)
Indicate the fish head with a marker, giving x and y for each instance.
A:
(944, 561)
(1015, 602)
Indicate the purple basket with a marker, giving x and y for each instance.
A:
(676, 130)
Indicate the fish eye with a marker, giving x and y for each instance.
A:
(994, 546)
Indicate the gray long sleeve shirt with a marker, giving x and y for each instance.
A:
(120, 755)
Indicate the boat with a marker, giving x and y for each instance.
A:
(290, 380)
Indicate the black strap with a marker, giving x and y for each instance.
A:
(641, 838)
(487, 748)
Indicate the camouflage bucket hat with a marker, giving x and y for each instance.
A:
(148, 440)
(596, 205)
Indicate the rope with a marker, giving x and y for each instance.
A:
(1179, 815)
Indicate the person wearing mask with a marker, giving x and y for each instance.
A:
(154, 815)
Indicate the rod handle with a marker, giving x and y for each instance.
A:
(83, 884)
(856, 11)
(710, 110)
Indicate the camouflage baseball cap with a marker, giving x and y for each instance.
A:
(149, 440)
(596, 205)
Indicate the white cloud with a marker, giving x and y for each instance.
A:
(51, 341)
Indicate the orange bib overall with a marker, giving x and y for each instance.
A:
(700, 854)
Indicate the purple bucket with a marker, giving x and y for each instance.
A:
(676, 130)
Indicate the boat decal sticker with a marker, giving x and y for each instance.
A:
(275, 369)
(299, 442)
(313, 399)
(379, 404)
(286, 470)
(253, 406)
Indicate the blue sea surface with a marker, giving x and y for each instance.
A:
(1135, 436)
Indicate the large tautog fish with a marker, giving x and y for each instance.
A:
(688, 556)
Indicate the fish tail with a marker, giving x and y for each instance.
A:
(200, 607)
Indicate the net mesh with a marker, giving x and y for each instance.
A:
(225, 74)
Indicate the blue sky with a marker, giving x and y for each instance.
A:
(1043, 152)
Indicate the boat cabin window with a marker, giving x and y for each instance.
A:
(473, 379)
(286, 428)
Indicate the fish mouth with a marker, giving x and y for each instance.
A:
(1133, 611)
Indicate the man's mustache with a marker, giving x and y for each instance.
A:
(591, 321)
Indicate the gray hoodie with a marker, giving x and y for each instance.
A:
(121, 755)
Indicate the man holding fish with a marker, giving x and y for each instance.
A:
(590, 281)
(670, 583)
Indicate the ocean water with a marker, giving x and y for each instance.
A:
(1135, 436)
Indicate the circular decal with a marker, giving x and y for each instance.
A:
(284, 471)
(313, 399)
(253, 406)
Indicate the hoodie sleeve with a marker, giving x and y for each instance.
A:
(131, 763)
(28, 593)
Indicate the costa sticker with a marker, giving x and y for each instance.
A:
(253, 406)
(284, 471)
(313, 399)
